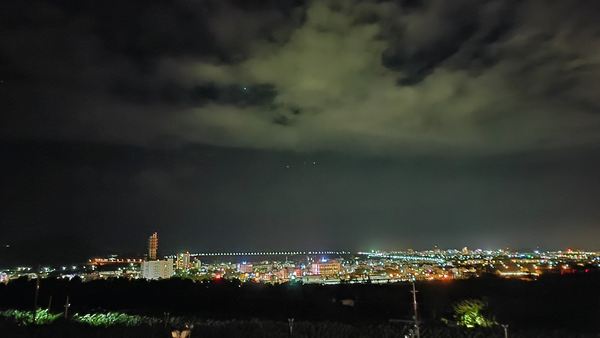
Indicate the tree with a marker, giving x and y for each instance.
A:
(470, 313)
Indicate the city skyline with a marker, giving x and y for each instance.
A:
(255, 125)
(326, 267)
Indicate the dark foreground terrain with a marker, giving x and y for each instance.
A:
(261, 329)
(554, 306)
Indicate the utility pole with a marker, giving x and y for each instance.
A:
(505, 327)
(166, 317)
(414, 292)
(291, 326)
(37, 291)
(67, 307)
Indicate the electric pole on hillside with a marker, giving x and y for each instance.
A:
(37, 291)
(414, 292)
(67, 305)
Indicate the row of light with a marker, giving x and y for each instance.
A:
(115, 260)
(273, 253)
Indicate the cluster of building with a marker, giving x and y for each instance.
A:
(327, 267)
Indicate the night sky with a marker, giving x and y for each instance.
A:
(267, 125)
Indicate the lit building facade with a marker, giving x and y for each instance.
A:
(329, 269)
(197, 264)
(184, 261)
(152, 246)
(245, 268)
(157, 269)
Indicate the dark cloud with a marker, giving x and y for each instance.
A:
(367, 76)
(449, 114)
(443, 35)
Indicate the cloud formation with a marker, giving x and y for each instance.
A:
(373, 76)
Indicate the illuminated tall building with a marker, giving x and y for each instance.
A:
(152, 246)
(183, 261)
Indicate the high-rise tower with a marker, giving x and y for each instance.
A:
(184, 261)
(152, 246)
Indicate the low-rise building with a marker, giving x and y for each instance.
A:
(157, 269)
(326, 269)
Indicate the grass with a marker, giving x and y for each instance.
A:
(14, 323)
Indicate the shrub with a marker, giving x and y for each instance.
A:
(26, 317)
